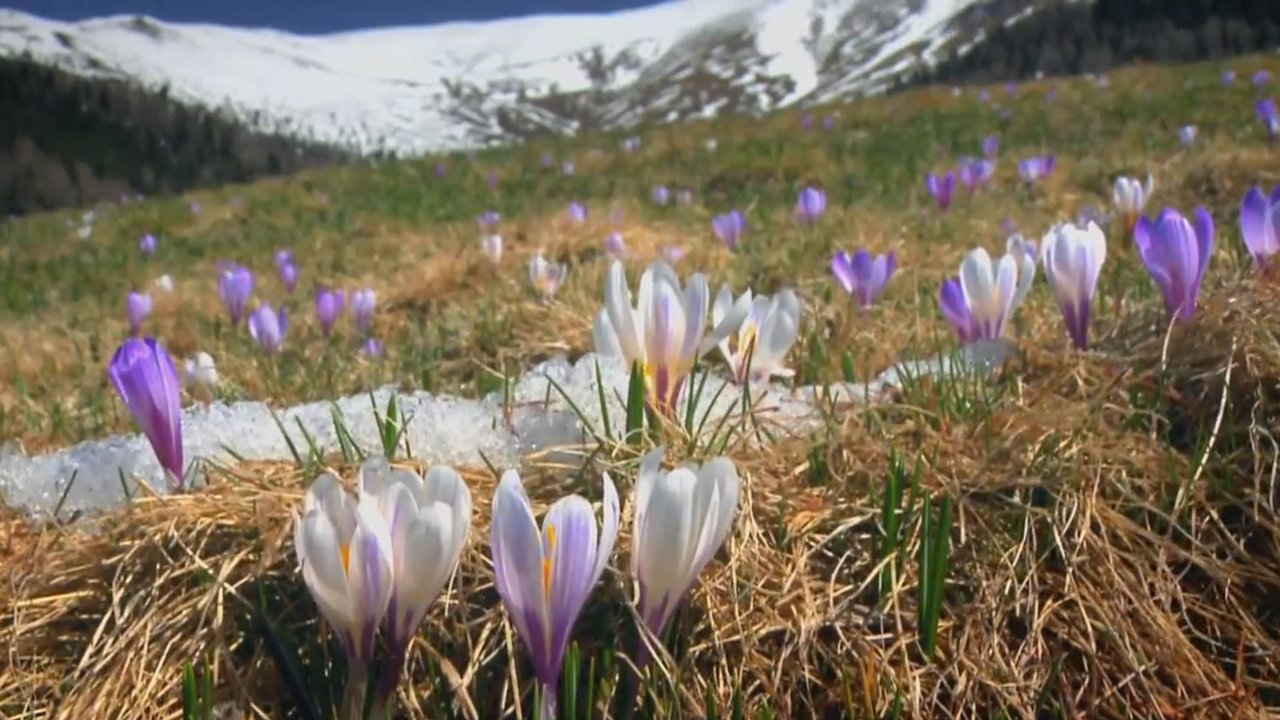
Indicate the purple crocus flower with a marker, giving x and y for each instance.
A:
(577, 212)
(1036, 168)
(614, 245)
(673, 253)
(956, 309)
(147, 380)
(492, 181)
(661, 194)
(1228, 77)
(148, 244)
(1176, 255)
(1261, 78)
(1260, 224)
(268, 328)
(568, 168)
(329, 305)
(1187, 135)
(991, 145)
(806, 122)
(547, 160)
(235, 287)
(441, 171)
(283, 256)
(729, 227)
(362, 304)
(1269, 116)
(288, 276)
(810, 204)
(1011, 88)
(942, 188)
(137, 307)
(829, 122)
(545, 577)
(976, 172)
(488, 221)
(862, 276)
(372, 348)
(196, 207)
(984, 96)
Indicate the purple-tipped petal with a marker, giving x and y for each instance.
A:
(147, 381)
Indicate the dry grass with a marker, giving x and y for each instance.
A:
(1095, 568)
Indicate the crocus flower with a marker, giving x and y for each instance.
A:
(973, 173)
(567, 167)
(268, 328)
(1073, 258)
(148, 244)
(1261, 78)
(661, 194)
(617, 216)
(1269, 116)
(989, 293)
(673, 253)
(137, 307)
(329, 306)
(200, 370)
(440, 170)
(577, 212)
(1021, 249)
(684, 197)
(806, 122)
(196, 207)
(85, 232)
(372, 348)
(288, 276)
(147, 381)
(235, 286)
(1187, 135)
(344, 548)
(545, 577)
(283, 257)
(810, 204)
(955, 308)
(984, 96)
(488, 221)
(729, 228)
(1228, 77)
(614, 245)
(863, 276)
(665, 333)
(428, 520)
(1260, 224)
(1036, 168)
(363, 303)
(942, 188)
(546, 160)
(991, 145)
(491, 245)
(756, 352)
(546, 276)
(492, 181)
(682, 517)
(1130, 196)
(164, 283)
(630, 145)
(710, 144)
(1176, 255)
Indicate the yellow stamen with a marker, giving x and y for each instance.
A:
(345, 552)
(546, 561)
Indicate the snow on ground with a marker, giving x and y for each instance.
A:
(440, 429)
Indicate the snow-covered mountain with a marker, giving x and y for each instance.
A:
(456, 85)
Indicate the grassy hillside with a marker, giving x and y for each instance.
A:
(1116, 550)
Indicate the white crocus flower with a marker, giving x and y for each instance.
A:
(200, 370)
(345, 552)
(1130, 196)
(1073, 258)
(492, 247)
(428, 519)
(682, 517)
(764, 337)
(546, 276)
(994, 290)
(665, 331)
(164, 283)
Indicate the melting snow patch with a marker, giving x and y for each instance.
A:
(542, 420)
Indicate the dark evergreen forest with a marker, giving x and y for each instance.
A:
(1081, 37)
(67, 140)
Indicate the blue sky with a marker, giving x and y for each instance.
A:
(315, 16)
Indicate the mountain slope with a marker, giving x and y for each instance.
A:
(418, 89)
